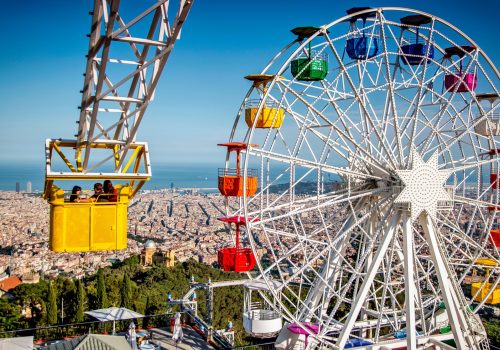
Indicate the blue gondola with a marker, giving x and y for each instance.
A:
(415, 50)
(355, 342)
(361, 45)
(401, 334)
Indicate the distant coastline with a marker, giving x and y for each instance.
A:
(164, 176)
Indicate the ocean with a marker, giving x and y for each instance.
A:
(164, 175)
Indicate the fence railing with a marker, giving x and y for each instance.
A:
(263, 346)
(70, 330)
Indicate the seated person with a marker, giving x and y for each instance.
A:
(110, 192)
(75, 195)
(98, 193)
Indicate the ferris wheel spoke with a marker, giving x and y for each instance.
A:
(367, 158)
(301, 209)
(465, 165)
(390, 91)
(334, 267)
(358, 98)
(330, 169)
(367, 282)
(342, 135)
(327, 277)
(298, 203)
(421, 84)
(303, 203)
(447, 286)
(468, 129)
(301, 237)
(469, 244)
(410, 290)
(472, 201)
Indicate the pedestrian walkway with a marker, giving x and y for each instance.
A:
(192, 340)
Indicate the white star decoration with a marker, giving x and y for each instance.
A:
(423, 186)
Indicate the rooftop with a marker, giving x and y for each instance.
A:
(10, 283)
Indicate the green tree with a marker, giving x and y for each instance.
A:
(40, 315)
(80, 302)
(67, 292)
(125, 292)
(102, 298)
(52, 306)
(10, 314)
(492, 327)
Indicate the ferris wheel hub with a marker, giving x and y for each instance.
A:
(423, 186)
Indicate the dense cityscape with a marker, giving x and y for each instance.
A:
(182, 221)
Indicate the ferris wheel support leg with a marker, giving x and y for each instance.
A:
(445, 283)
(411, 336)
(367, 283)
(372, 231)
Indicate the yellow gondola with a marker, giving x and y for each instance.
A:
(271, 114)
(92, 225)
(78, 227)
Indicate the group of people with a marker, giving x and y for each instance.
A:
(102, 193)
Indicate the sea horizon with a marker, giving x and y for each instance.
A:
(165, 175)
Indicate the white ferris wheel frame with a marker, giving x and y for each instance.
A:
(464, 325)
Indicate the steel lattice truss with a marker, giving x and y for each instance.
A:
(343, 249)
(129, 47)
(122, 83)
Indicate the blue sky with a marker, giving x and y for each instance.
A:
(202, 87)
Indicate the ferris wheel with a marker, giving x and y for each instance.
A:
(369, 183)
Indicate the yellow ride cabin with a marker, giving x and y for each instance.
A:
(92, 225)
(270, 114)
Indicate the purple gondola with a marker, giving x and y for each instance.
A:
(461, 80)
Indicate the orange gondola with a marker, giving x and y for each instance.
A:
(231, 181)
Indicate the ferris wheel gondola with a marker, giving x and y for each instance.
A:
(371, 202)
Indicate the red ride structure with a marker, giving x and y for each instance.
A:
(237, 258)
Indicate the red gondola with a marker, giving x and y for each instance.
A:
(495, 238)
(237, 258)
